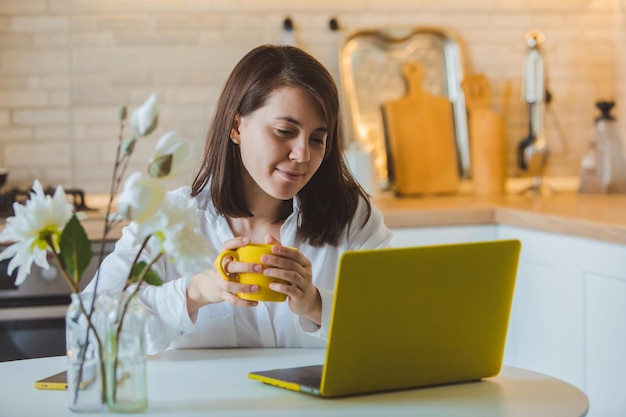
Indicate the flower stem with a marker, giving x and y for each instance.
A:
(112, 192)
(90, 326)
(126, 303)
(108, 225)
(130, 272)
(59, 261)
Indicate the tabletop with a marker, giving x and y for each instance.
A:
(209, 382)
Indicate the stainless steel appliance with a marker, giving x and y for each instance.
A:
(533, 150)
(32, 315)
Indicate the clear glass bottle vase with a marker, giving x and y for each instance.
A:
(84, 368)
(124, 352)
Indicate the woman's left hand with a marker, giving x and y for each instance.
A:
(292, 266)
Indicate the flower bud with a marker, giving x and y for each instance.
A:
(173, 146)
(140, 198)
(145, 117)
(129, 145)
(121, 113)
(161, 166)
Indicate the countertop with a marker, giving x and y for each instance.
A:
(595, 216)
(601, 217)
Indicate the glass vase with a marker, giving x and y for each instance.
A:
(124, 352)
(84, 368)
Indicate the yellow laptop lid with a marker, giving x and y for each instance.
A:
(419, 316)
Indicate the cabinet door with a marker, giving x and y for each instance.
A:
(421, 236)
(604, 271)
(569, 314)
(546, 326)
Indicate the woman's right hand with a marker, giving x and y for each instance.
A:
(209, 287)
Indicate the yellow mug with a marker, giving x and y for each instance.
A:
(252, 253)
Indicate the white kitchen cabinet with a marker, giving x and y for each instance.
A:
(569, 310)
(546, 325)
(421, 236)
(569, 314)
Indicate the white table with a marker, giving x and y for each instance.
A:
(214, 382)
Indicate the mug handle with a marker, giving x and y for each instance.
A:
(220, 267)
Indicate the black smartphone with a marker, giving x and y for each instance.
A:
(56, 381)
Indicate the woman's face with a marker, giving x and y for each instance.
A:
(282, 144)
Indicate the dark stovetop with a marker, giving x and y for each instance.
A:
(18, 195)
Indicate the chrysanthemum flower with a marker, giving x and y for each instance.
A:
(36, 223)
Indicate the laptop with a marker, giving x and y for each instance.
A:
(412, 317)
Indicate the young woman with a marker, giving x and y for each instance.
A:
(273, 172)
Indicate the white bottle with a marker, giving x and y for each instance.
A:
(613, 158)
(591, 168)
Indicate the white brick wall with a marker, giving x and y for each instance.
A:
(67, 65)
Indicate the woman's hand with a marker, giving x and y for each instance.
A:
(292, 266)
(210, 287)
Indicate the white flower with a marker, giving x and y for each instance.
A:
(140, 198)
(173, 234)
(145, 117)
(40, 219)
(170, 158)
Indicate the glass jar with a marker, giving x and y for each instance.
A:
(124, 352)
(84, 368)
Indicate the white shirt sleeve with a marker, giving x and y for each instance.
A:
(168, 318)
(321, 332)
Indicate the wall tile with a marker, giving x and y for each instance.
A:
(41, 40)
(33, 61)
(5, 117)
(40, 154)
(67, 65)
(23, 99)
(15, 40)
(14, 133)
(53, 133)
(22, 7)
(41, 117)
(39, 24)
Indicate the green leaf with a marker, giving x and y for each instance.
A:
(151, 277)
(161, 166)
(76, 250)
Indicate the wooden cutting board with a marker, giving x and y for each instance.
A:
(487, 136)
(420, 133)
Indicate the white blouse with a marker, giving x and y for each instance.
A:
(269, 324)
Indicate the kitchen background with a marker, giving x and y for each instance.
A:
(67, 65)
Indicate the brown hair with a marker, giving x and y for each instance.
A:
(329, 200)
